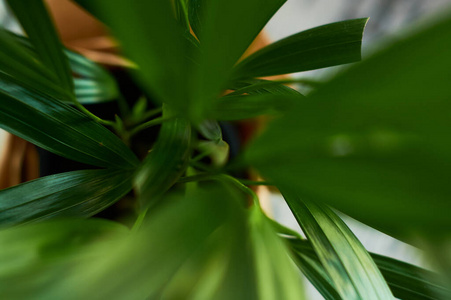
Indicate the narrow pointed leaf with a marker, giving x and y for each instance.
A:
(36, 22)
(406, 281)
(258, 87)
(320, 47)
(276, 275)
(181, 11)
(411, 282)
(19, 65)
(158, 45)
(226, 28)
(315, 273)
(350, 267)
(373, 142)
(61, 129)
(94, 84)
(73, 194)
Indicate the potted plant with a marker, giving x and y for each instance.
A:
(373, 149)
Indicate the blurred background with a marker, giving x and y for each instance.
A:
(389, 20)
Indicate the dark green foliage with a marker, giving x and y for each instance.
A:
(371, 142)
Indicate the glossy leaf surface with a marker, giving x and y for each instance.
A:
(19, 66)
(36, 22)
(93, 84)
(320, 47)
(73, 194)
(315, 273)
(373, 142)
(405, 280)
(350, 267)
(61, 129)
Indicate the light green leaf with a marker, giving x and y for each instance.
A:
(373, 141)
(94, 84)
(315, 273)
(406, 281)
(320, 47)
(73, 194)
(276, 276)
(36, 258)
(60, 129)
(190, 248)
(350, 267)
(36, 22)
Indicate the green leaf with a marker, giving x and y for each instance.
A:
(73, 194)
(245, 107)
(258, 87)
(315, 273)
(158, 46)
(406, 281)
(350, 267)
(36, 22)
(40, 256)
(373, 141)
(167, 161)
(410, 282)
(211, 130)
(320, 47)
(181, 11)
(226, 28)
(61, 129)
(94, 84)
(19, 65)
(190, 248)
(276, 276)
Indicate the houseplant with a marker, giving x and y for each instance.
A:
(370, 148)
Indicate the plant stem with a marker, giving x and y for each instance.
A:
(242, 187)
(91, 115)
(199, 177)
(139, 220)
(201, 166)
(148, 124)
(151, 113)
